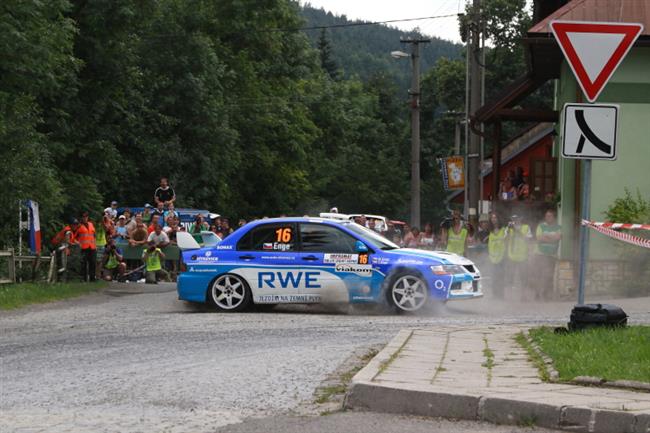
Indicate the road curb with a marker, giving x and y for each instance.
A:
(425, 400)
(412, 401)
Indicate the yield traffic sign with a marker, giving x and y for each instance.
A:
(590, 131)
(594, 50)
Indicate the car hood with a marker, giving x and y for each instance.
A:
(442, 256)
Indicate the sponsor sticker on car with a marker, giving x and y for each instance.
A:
(363, 270)
(341, 258)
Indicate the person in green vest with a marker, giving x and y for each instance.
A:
(497, 255)
(153, 258)
(113, 264)
(548, 235)
(457, 235)
(519, 237)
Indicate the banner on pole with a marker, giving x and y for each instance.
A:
(34, 227)
(453, 172)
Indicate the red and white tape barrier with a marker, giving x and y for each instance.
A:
(623, 226)
(625, 237)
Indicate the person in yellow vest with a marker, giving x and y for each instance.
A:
(457, 235)
(113, 263)
(497, 255)
(85, 236)
(153, 258)
(519, 237)
(548, 235)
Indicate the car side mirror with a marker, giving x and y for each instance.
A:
(360, 247)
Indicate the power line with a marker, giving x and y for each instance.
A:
(356, 24)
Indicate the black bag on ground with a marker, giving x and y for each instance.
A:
(593, 315)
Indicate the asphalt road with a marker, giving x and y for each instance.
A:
(134, 359)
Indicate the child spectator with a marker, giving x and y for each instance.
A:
(169, 213)
(159, 210)
(120, 229)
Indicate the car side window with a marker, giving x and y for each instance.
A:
(269, 237)
(325, 239)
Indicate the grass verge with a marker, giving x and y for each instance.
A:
(533, 356)
(14, 296)
(607, 353)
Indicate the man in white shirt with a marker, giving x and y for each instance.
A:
(159, 237)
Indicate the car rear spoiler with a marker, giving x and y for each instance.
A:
(186, 241)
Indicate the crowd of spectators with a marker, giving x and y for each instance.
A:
(515, 186)
(510, 254)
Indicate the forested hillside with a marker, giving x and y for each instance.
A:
(228, 99)
(364, 51)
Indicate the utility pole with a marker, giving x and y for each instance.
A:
(415, 128)
(473, 154)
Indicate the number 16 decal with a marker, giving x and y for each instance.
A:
(283, 235)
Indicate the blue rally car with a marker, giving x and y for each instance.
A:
(313, 260)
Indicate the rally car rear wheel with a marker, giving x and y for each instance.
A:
(408, 292)
(230, 293)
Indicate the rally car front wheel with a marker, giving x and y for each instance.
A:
(230, 293)
(407, 292)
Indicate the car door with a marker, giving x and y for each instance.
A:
(268, 260)
(338, 272)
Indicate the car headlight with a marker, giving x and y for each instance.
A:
(447, 269)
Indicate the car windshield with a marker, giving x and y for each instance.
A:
(373, 236)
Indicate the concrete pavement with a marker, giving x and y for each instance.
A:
(481, 373)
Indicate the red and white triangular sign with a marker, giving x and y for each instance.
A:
(594, 50)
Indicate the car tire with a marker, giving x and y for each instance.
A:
(407, 292)
(229, 293)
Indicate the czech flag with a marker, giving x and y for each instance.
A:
(34, 227)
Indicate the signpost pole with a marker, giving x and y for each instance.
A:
(584, 234)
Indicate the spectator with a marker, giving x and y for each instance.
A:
(519, 236)
(158, 237)
(85, 236)
(169, 213)
(523, 190)
(372, 225)
(412, 237)
(334, 210)
(213, 229)
(130, 226)
(113, 262)
(427, 237)
(457, 235)
(120, 229)
(172, 229)
(130, 219)
(483, 230)
(548, 236)
(155, 220)
(66, 236)
(518, 177)
(225, 227)
(198, 225)
(153, 257)
(138, 236)
(164, 194)
(146, 214)
(496, 253)
(507, 191)
(241, 222)
(113, 210)
(159, 210)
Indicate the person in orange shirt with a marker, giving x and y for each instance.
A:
(155, 221)
(85, 236)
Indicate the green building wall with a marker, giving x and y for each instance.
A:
(630, 88)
